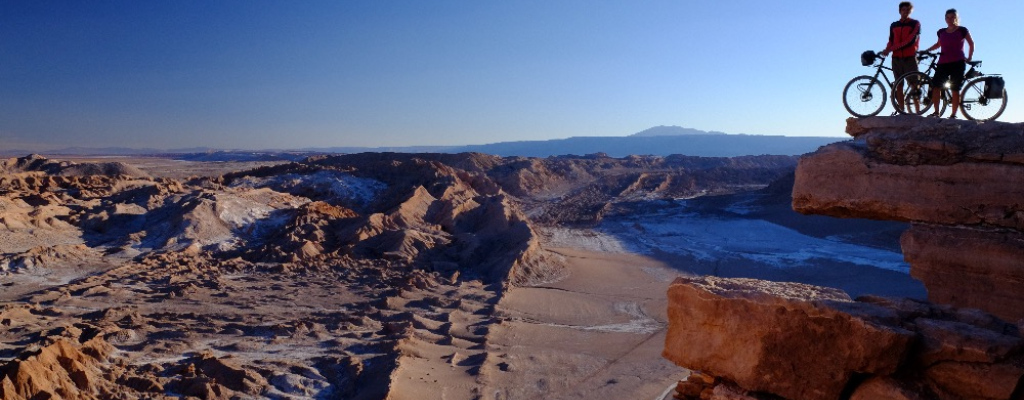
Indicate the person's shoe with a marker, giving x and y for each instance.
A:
(933, 115)
(952, 117)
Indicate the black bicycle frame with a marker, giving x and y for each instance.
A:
(881, 71)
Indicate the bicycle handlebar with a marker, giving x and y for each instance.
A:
(921, 55)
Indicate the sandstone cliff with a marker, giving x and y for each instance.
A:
(958, 182)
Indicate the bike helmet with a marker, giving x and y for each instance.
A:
(867, 58)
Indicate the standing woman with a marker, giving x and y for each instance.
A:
(952, 61)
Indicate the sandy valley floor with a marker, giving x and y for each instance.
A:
(597, 334)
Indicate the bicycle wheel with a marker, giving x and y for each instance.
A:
(912, 94)
(976, 106)
(945, 97)
(864, 96)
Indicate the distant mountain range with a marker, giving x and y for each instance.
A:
(117, 151)
(692, 145)
(673, 130)
(658, 141)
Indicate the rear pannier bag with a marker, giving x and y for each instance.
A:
(994, 87)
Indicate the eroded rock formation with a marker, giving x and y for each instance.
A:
(959, 183)
(352, 276)
(62, 369)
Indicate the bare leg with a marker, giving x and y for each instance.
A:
(900, 100)
(935, 102)
(956, 102)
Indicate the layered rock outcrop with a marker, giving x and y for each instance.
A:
(959, 183)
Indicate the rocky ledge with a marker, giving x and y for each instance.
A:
(959, 183)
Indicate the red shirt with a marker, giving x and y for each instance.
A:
(904, 37)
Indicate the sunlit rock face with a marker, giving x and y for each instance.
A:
(805, 342)
(940, 172)
(774, 336)
(959, 183)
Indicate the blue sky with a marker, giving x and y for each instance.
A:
(260, 74)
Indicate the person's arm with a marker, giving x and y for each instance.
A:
(888, 45)
(970, 42)
(937, 44)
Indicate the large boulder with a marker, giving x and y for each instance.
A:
(805, 342)
(799, 341)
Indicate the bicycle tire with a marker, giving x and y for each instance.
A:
(916, 90)
(976, 106)
(864, 96)
(945, 98)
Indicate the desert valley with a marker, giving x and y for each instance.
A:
(495, 200)
(394, 275)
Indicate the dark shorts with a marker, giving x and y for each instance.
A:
(952, 71)
(903, 65)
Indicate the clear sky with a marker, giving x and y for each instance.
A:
(255, 74)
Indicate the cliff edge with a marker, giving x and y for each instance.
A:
(959, 183)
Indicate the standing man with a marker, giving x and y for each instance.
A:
(904, 36)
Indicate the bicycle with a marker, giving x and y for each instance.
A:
(983, 97)
(868, 95)
(916, 88)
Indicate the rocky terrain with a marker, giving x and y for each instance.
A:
(364, 276)
(958, 184)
